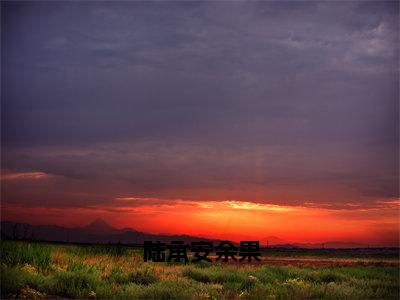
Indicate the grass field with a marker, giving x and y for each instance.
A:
(38, 270)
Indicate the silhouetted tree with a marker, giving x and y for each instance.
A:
(26, 228)
(15, 231)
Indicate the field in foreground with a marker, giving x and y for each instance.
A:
(36, 270)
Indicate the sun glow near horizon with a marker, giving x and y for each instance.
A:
(231, 219)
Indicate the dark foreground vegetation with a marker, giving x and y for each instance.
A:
(39, 270)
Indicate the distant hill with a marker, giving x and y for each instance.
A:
(100, 227)
(97, 231)
(333, 245)
(272, 240)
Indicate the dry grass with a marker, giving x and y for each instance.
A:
(79, 272)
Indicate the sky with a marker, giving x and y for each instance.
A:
(218, 119)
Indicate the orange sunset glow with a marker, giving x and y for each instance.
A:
(233, 220)
(269, 121)
(200, 149)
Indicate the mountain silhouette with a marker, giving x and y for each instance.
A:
(98, 231)
(100, 227)
(272, 240)
(332, 245)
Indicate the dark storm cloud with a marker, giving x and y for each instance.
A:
(167, 98)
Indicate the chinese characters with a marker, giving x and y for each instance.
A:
(225, 251)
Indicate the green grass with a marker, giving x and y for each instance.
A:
(30, 270)
(37, 255)
(332, 253)
(107, 249)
